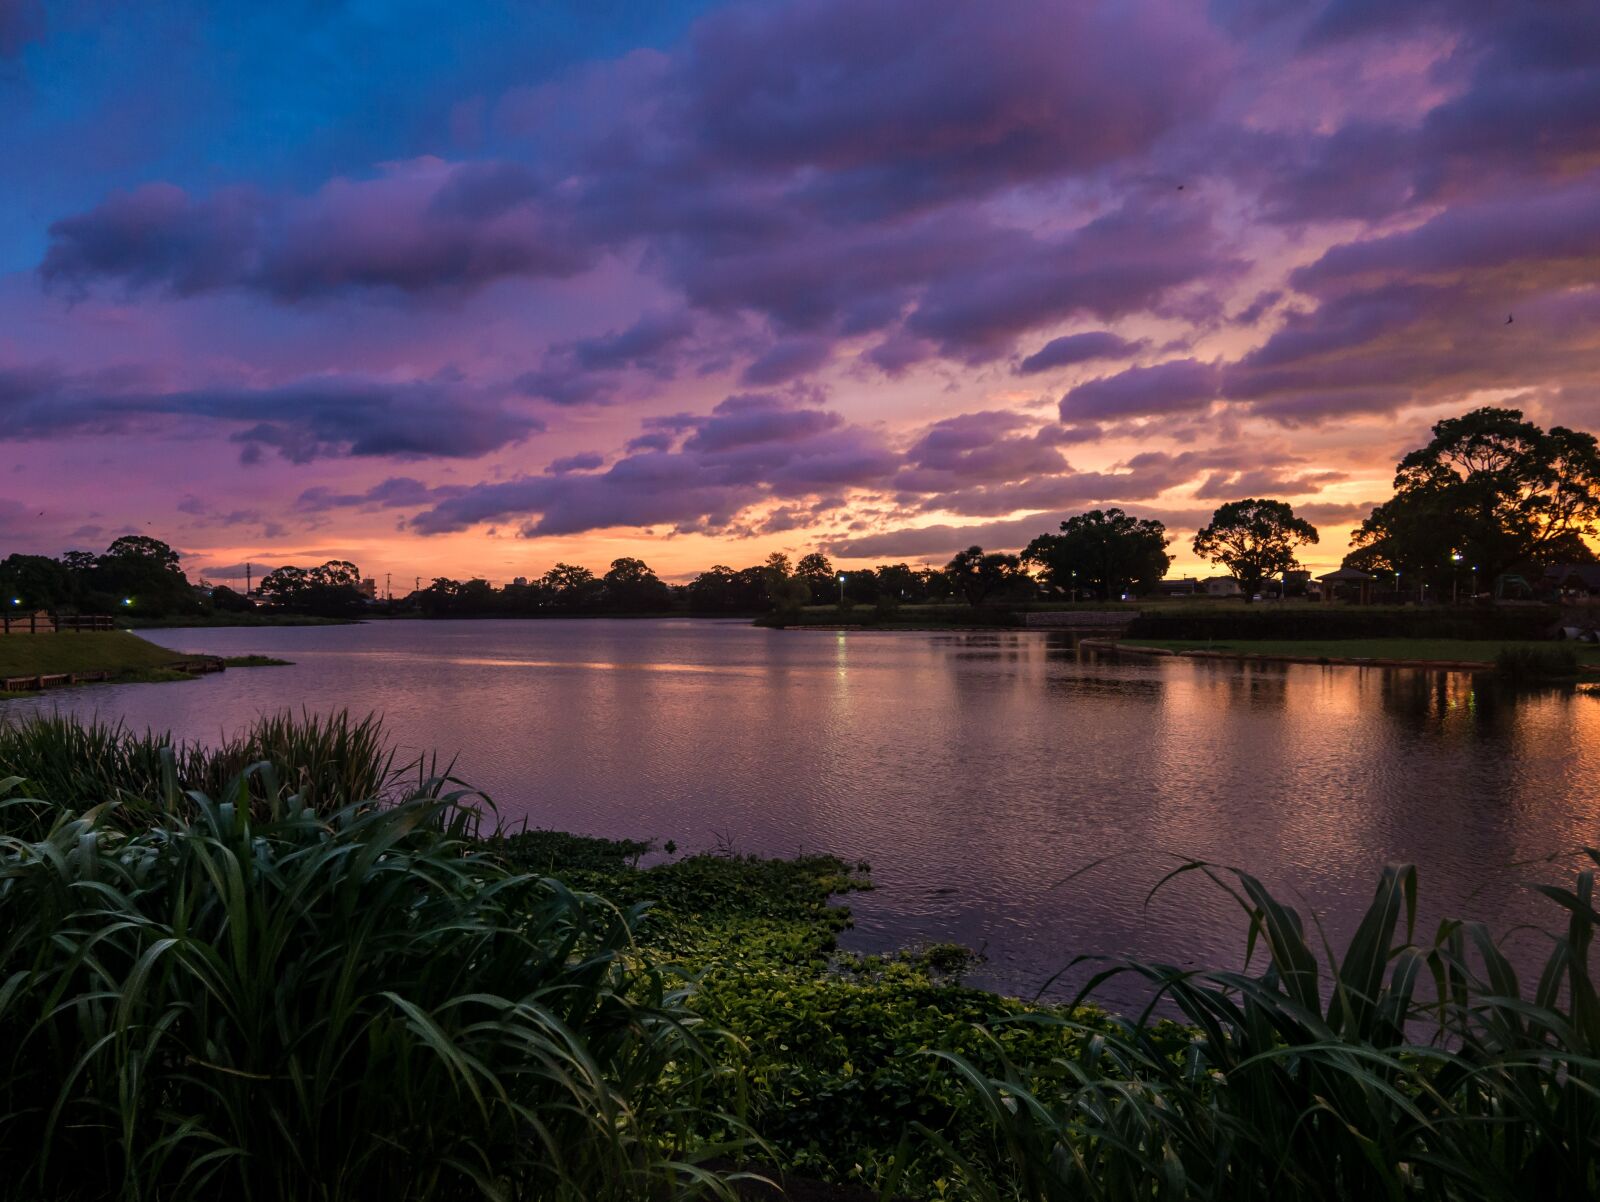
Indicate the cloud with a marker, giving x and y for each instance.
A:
(750, 448)
(1071, 349)
(1176, 386)
(310, 418)
(419, 227)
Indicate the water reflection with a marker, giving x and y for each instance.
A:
(976, 771)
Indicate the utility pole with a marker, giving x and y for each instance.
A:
(246, 580)
(388, 589)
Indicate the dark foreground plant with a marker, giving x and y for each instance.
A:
(1407, 1071)
(349, 1005)
(1527, 664)
(328, 761)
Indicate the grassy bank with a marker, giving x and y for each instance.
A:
(114, 651)
(1481, 651)
(289, 966)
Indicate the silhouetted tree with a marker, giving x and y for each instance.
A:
(1491, 487)
(1254, 539)
(631, 587)
(978, 576)
(818, 574)
(1105, 552)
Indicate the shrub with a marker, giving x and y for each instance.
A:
(1296, 1085)
(353, 1004)
(1536, 663)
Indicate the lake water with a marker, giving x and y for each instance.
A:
(976, 772)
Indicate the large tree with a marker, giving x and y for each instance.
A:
(979, 576)
(1492, 488)
(817, 572)
(1105, 551)
(1254, 540)
(631, 586)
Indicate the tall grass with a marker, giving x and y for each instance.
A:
(1395, 1071)
(326, 761)
(276, 1002)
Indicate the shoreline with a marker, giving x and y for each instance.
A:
(1342, 661)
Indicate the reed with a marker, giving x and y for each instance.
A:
(1398, 1070)
(327, 761)
(285, 1003)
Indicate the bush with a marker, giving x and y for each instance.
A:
(1358, 1084)
(354, 1004)
(1536, 663)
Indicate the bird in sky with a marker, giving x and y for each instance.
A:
(1509, 319)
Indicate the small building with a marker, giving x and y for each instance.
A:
(1222, 586)
(1572, 582)
(1347, 584)
(1188, 586)
(368, 588)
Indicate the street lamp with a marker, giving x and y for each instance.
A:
(1455, 576)
(841, 590)
(1074, 586)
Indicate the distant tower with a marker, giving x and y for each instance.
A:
(388, 587)
(246, 580)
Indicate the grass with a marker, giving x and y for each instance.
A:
(114, 651)
(256, 661)
(1483, 651)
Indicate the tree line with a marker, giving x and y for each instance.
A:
(1491, 493)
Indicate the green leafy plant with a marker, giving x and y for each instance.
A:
(1395, 1071)
(281, 1003)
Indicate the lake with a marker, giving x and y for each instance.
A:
(980, 774)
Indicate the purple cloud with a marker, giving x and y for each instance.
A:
(1070, 349)
(1176, 386)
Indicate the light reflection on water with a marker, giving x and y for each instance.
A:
(975, 771)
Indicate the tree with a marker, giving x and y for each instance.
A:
(1491, 487)
(1105, 551)
(330, 590)
(979, 576)
(571, 587)
(818, 574)
(37, 581)
(631, 586)
(1254, 539)
(143, 570)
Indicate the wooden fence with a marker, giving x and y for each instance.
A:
(41, 622)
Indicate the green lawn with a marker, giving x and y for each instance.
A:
(1459, 650)
(100, 651)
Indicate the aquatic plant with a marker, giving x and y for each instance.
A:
(327, 761)
(285, 1003)
(1395, 1071)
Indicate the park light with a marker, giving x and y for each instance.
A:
(127, 600)
(16, 600)
(1455, 556)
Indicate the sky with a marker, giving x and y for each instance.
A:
(472, 288)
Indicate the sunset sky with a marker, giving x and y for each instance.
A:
(469, 288)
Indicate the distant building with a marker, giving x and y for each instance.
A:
(368, 588)
(1347, 584)
(520, 581)
(1188, 586)
(1222, 586)
(1571, 581)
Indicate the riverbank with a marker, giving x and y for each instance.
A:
(188, 621)
(1463, 654)
(104, 657)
